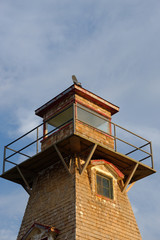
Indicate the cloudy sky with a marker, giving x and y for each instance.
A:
(113, 49)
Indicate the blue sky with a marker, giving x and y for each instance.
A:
(113, 49)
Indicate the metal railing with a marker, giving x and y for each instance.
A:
(136, 149)
(36, 141)
(147, 143)
(118, 141)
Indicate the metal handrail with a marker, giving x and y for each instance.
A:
(36, 127)
(44, 135)
(116, 125)
(116, 138)
(28, 145)
(25, 134)
(136, 148)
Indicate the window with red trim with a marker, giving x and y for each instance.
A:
(104, 186)
(59, 120)
(92, 118)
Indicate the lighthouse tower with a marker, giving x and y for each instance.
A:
(80, 173)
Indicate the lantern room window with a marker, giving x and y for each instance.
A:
(104, 186)
(59, 120)
(92, 118)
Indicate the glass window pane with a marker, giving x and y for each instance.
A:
(92, 119)
(106, 192)
(50, 128)
(104, 186)
(105, 183)
(98, 180)
(61, 118)
(99, 190)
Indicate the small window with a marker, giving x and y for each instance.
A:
(104, 186)
(92, 118)
(59, 120)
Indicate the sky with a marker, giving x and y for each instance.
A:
(113, 49)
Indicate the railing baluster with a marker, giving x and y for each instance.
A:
(151, 154)
(37, 138)
(115, 140)
(4, 157)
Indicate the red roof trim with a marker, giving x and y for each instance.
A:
(104, 162)
(93, 109)
(47, 105)
(96, 99)
(82, 92)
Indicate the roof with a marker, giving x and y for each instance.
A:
(42, 227)
(75, 89)
(104, 162)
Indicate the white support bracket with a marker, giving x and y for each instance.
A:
(62, 159)
(89, 158)
(130, 177)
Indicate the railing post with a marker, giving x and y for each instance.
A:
(37, 138)
(74, 117)
(151, 155)
(115, 140)
(4, 157)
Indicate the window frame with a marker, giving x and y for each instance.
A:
(110, 188)
(47, 133)
(97, 114)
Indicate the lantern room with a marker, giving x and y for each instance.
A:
(79, 112)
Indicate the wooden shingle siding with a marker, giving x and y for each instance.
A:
(69, 203)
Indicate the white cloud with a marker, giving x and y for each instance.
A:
(13, 203)
(7, 234)
(26, 120)
(12, 207)
(45, 37)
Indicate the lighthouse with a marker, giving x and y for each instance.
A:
(77, 168)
